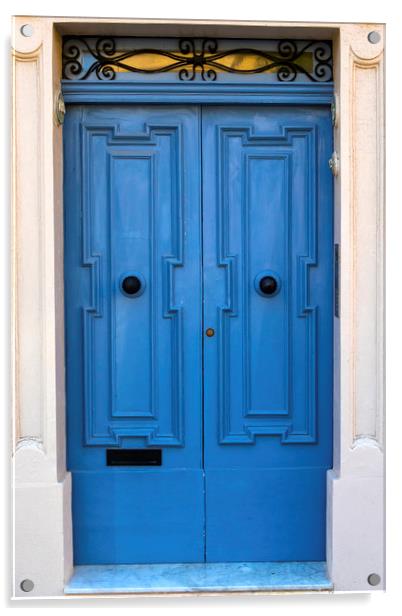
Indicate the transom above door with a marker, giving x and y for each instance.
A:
(168, 59)
(198, 274)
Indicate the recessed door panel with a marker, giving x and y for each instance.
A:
(268, 295)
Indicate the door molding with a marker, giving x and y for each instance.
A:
(355, 509)
(276, 93)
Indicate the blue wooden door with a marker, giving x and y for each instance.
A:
(181, 222)
(268, 296)
(134, 361)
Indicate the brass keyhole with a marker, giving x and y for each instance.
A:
(210, 332)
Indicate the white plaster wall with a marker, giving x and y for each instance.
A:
(43, 546)
(355, 520)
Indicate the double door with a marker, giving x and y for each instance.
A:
(198, 281)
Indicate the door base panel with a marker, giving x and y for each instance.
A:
(265, 514)
(200, 577)
(159, 518)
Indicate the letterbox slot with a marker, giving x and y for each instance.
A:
(133, 457)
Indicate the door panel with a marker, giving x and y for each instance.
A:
(132, 199)
(267, 199)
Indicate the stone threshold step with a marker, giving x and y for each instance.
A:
(198, 577)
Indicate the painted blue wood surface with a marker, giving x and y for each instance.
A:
(199, 201)
(289, 93)
(132, 204)
(267, 205)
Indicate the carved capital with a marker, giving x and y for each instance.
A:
(366, 41)
(27, 36)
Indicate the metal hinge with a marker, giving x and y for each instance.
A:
(333, 164)
(335, 110)
(59, 108)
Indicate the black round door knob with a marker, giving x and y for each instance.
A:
(268, 285)
(131, 285)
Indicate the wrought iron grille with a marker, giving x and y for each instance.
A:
(103, 58)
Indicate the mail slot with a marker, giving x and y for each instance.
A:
(133, 457)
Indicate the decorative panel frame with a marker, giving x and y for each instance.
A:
(281, 421)
(122, 426)
(355, 509)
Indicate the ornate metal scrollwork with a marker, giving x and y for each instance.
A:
(189, 61)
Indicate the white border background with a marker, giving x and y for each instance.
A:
(383, 11)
